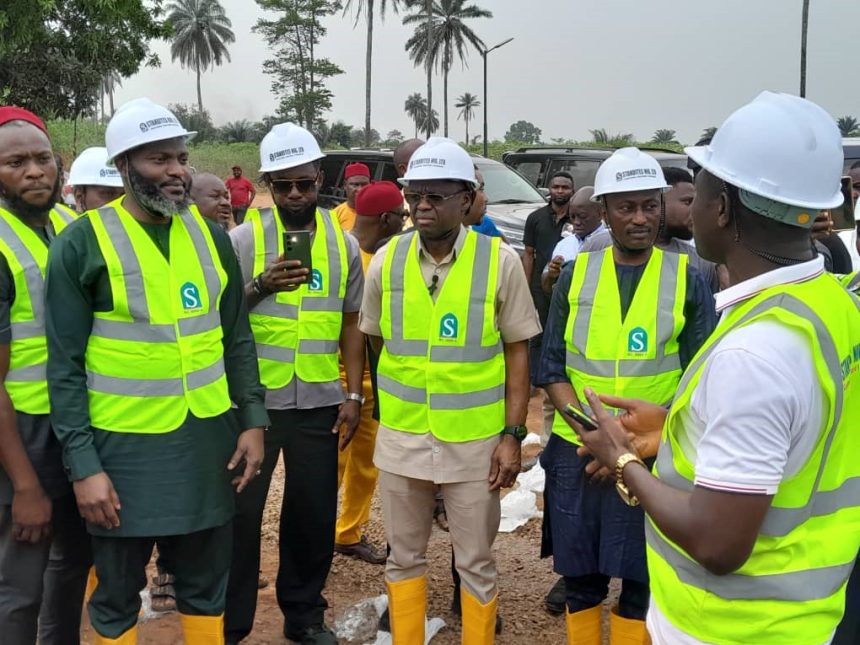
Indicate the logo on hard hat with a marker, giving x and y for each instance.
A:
(635, 173)
(427, 161)
(144, 127)
(287, 152)
(160, 122)
(102, 173)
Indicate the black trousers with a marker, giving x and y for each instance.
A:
(308, 515)
(848, 632)
(585, 592)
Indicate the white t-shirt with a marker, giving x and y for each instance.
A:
(568, 247)
(756, 413)
(849, 238)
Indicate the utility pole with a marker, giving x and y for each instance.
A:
(486, 96)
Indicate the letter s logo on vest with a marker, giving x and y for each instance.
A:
(449, 328)
(316, 283)
(190, 296)
(637, 341)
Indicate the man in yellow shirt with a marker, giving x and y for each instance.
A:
(355, 177)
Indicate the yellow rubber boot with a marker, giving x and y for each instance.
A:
(583, 627)
(92, 583)
(407, 606)
(626, 631)
(128, 638)
(203, 630)
(479, 621)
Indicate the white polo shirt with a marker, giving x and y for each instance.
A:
(756, 413)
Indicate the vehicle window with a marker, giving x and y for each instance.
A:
(530, 169)
(582, 170)
(389, 172)
(504, 186)
(332, 169)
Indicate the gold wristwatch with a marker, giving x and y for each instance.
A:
(623, 491)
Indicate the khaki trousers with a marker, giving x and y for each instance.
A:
(473, 516)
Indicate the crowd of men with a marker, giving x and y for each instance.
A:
(163, 347)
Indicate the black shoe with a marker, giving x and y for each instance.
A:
(318, 634)
(384, 622)
(457, 609)
(556, 599)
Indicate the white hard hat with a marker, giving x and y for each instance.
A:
(288, 145)
(90, 168)
(139, 122)
(628, 170)
(779, 150)
(440, 158)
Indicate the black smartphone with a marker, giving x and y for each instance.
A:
(580, 417)
(297, 246)
(843, 216)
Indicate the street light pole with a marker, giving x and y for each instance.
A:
(486, 98)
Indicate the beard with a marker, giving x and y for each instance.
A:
(24, 209)
(679, 232)
(300, 218)
(148, 194)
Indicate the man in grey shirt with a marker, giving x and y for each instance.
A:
(300, 316)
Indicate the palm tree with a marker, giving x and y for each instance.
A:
(437, 41)
(804, 30)
(238, 131)
(467, 104)
(708, 133)
(110, 82)
(430, 121)
(201, 32)
(366, 7)
(847, 125)
(663, 137)
(416, 108)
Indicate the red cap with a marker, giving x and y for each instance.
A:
(356, 170)
(13, 113)
(378, 198)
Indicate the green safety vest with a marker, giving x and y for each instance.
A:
(27, 256)
(792, 587)
(298, 332)
(637, 357)
(442, 368)
(158, 354)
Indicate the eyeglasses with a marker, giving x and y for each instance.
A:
(285, 186)
(434, 199)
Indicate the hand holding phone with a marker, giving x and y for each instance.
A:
(297, 247)
(580, 417)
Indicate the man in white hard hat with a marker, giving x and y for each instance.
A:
(38, 514)
(94, 182)
(449, 312)
(753, 515)
(148, 345)
(625, 320)
(301, 316)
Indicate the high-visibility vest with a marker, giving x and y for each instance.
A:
(298, 332)
(27, 257)
(63, 213)
(851, 281)
(158, 354)
(636, 357)
(442, 368)
(791, 589)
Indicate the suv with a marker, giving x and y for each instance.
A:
(511, 196)
(539, 164)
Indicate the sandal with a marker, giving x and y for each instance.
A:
(163, 598)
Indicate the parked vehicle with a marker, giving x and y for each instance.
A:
(511, 196)
(538, 164)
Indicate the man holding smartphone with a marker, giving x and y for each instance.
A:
(622, 320)
(303, 285)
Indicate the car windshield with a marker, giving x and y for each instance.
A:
(504, 186)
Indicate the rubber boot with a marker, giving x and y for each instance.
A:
(92, 583)
(479, 621)
(407, 606)
(627, 631)
(128, 638)
(202, 630)
(583, 627)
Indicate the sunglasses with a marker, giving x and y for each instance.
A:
(434, 199)
(285, 186)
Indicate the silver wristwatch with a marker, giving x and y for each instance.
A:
(352, 396)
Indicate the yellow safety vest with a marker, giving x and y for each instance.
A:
(298, 332)
(442, 368)
(64, 213)
(636, 357)
(792, 587)
(851, 281)
(27, 256)
(158, 354)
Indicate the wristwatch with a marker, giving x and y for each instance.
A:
(517, 432)
(352, 396)
(623, 491)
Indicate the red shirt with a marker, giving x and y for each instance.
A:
(240, 191)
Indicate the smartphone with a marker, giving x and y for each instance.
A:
(297, 246)
(843, 216)
(580, 417)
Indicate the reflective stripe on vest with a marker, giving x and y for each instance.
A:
(442, 368)
(307, 320)
(635, 357)
(851, 281)
(163, 338)
(61, 216)
(791, 587)
(27, 255)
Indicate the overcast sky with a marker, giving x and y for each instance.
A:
(574, 65)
